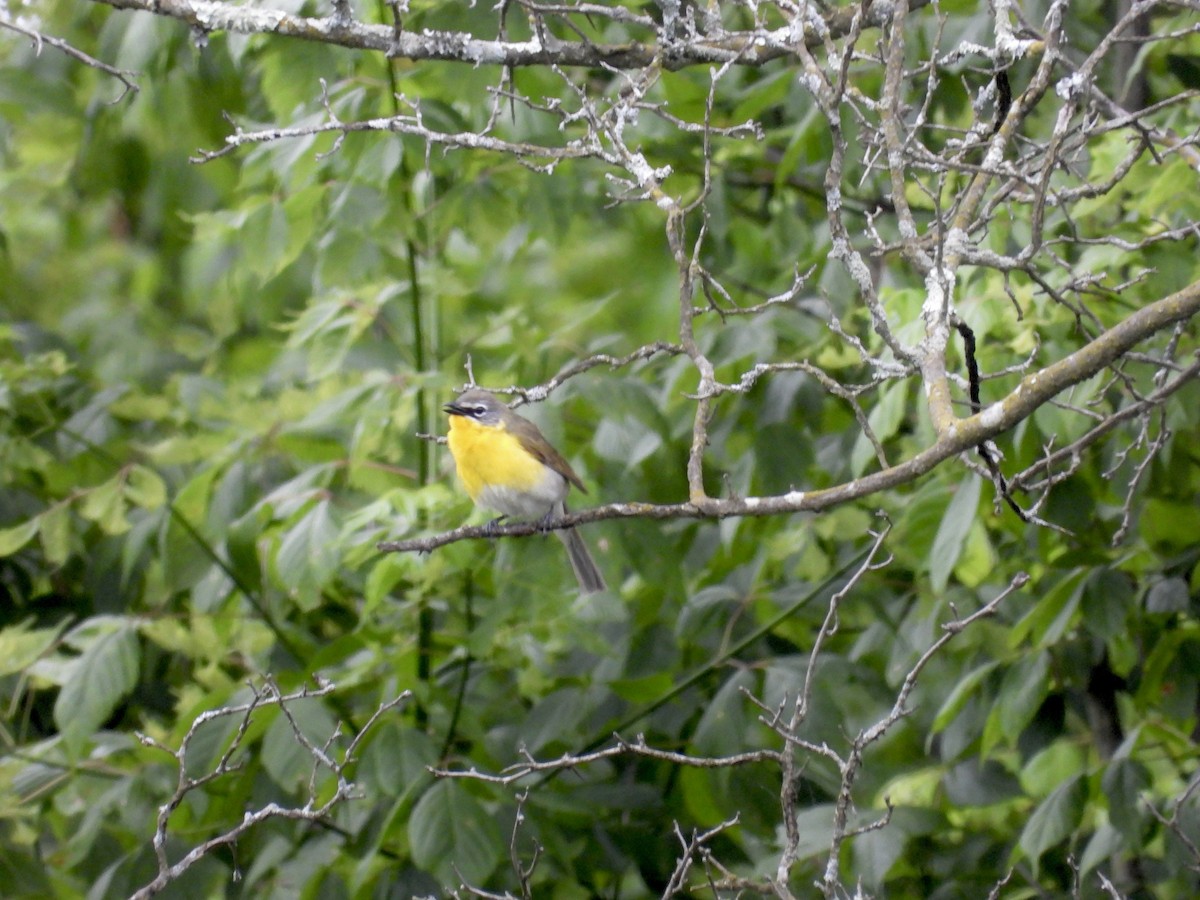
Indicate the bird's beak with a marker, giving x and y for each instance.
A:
(453, 409)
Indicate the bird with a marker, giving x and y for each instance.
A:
(506, 465)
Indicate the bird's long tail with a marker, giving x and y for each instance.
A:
(587, 573)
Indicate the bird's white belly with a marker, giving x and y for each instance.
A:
(527, 503)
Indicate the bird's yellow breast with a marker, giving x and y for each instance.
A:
(490, 457)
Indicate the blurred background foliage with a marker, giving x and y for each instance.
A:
(212, 381)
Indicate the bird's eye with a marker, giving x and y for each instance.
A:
(477, 411)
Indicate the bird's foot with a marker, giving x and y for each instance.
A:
(490, 527)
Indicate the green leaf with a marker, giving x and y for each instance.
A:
(1022, 691)
(1049, 767)
(452, 835)
(952, 533)
(1108, 601)
(726, 724)
(140, 407)
(1124, 782)
(920, 517)
(963, 689)
(703, 608)
(307, 555)
(396, 758)
(144, 488)
(1055, 819)
(1170, 595)
(977, 561)
(14, 538)
(20, 645)
(644, 689)
(1049, 618)
(290, 72)
(702, 796)
(105, 505)
(763, 94)
(103, 675)
(627, 441)
(384, 576)
(1171, 525)
(54, 529)
(1106, 843)
(554, 719)
(1163, 194)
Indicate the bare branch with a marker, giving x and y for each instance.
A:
(830, 882)
(129, 86)
(312, 810)
(693, 848)
(519, 771)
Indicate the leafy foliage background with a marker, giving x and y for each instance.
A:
(212, 381)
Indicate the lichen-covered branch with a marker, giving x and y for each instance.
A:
(748, 48)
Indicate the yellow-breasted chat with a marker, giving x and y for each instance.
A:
(507, 465)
